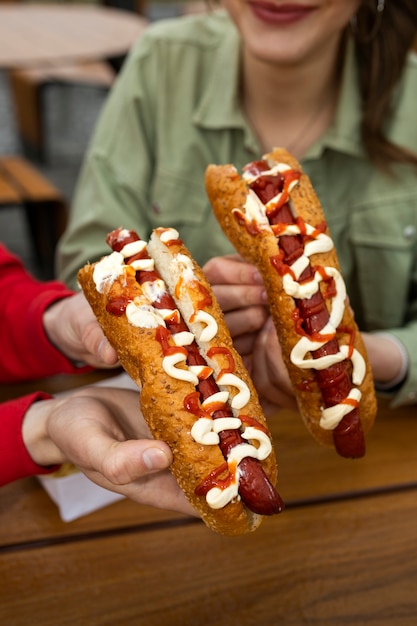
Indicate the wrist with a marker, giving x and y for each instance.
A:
(52, 324)
(38, 443)
(389, 360)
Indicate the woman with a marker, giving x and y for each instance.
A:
(46, 329)
(332, 81)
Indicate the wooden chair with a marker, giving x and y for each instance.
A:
(27, 87)
(44, 206)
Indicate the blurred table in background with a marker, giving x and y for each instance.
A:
(43, 44)
(52, 34)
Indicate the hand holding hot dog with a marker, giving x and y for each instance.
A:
(240, 291)
(158, 310)
(73, 328)
(101, 431)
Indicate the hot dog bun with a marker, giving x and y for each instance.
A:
(135, 318)
(336, 412)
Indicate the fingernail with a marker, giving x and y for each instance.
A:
(264, 296)
(257, 278)
(270, 326)
(106, 352)
(155, 459)
(103, 348)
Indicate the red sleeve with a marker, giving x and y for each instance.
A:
(26, 351)
(15, 462)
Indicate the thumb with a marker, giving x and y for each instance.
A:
(127, 461)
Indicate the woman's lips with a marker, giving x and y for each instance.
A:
(279, 13)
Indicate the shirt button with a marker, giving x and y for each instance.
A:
(409, 231)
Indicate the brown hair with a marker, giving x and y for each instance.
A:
(381, 60)
(382, 42)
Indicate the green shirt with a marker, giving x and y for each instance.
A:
(175, 108)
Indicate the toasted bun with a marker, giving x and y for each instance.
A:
(162, 396)
(228, 191)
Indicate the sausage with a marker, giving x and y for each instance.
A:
(158, 310)
(274, 219)
(255, 488)
(334, 381)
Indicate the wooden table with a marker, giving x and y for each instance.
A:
(343, 552)
(42, 34)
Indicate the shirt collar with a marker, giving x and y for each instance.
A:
(219, 105)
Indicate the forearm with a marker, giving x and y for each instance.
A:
(407, 393)
(388, 359)
(15, 460)
(35, 435)
(71, 326)
(22, 334)
(393, 357)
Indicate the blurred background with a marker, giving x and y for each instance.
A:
(67, 108)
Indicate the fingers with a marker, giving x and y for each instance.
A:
(101, 431)
(159, 490)
(231, 269)
(98, 351)
(71, 326)
(224, 269)
(247, 321)
(269, 372)
(244, 344)
(239, 296)
(124, 462)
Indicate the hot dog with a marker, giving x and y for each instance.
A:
(274, 219)
(158, 311)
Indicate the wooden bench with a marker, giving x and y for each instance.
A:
(44, 205)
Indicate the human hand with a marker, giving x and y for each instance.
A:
(269, 373)
(239, 289)
(388, 358)
(102, 432)
(72, 327)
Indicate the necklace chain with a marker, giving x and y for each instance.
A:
(292, 145)
(319, 115)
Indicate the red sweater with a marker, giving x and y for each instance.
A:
(26, 354)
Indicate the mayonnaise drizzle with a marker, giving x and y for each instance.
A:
(210, 331)
(169, 364)
(169, 234)
(255, 210)
(243, 395)
(216, 497)
(205, 431)
(108, 270)
(133, 248)
(331, 416)
(183, 339)
(154, 289)
(143, 314)
(219, 397)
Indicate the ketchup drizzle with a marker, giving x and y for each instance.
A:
(255, 489)
(311, 313)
